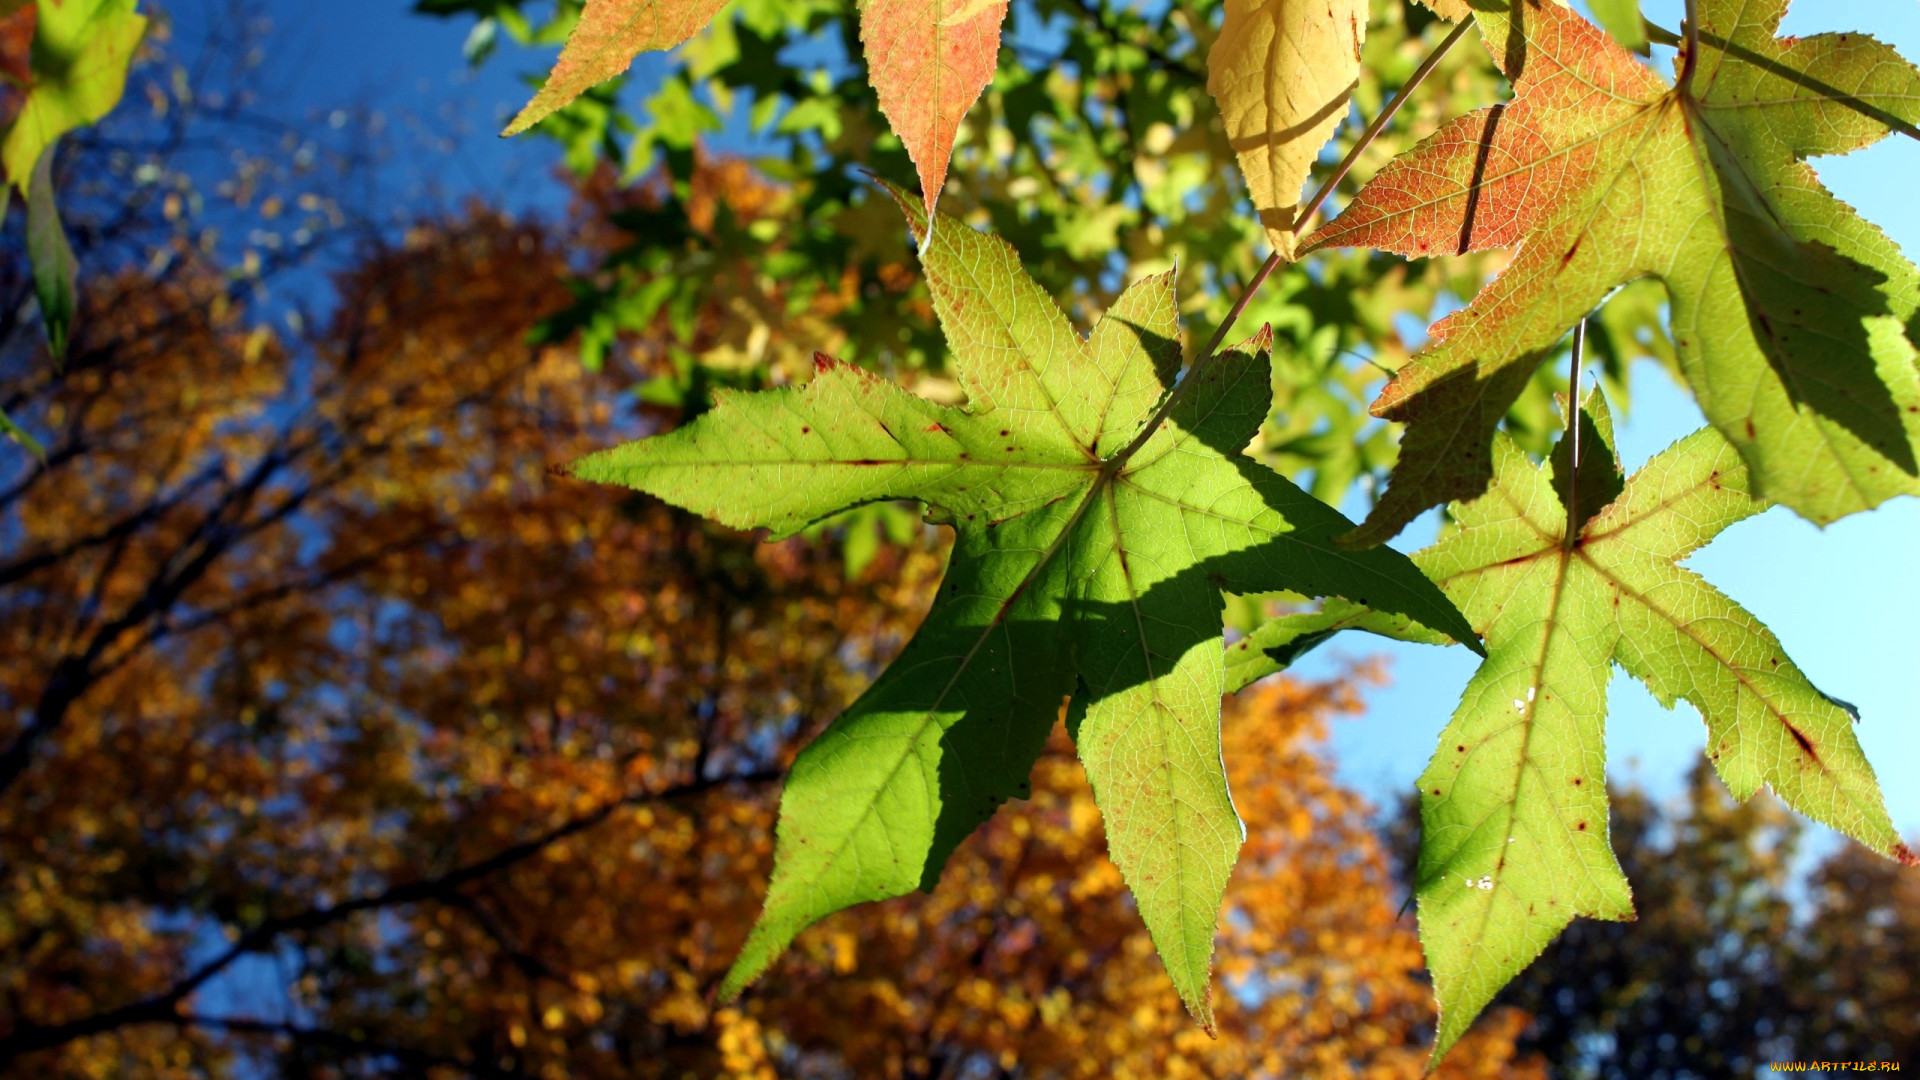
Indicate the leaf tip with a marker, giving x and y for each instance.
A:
(918, 219)
(730, 987)
(754, 959)
(1259, 343)
(1201, 1008)
(1904, 855)
(1363, 536)
(593, 468)
(532, 113)
(1443, 1042)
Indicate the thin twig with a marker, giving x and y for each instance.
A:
(163, 1007)
(1306, 214)
(1660, 35)
(1379, 124)
(1692, 29)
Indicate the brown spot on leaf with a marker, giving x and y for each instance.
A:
(1806, 744)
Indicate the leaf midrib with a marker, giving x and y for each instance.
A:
(1685, 628)
(912, 739)
(1487, 180)
(1107, 472)
(1152, 682)
(1585, 553)
(1525, 758)
(1709, 175)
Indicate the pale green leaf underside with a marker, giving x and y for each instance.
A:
(1514, 806)
(1078, 557)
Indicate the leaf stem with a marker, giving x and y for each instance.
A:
(1306, 214)
(1379, 124)
(1660, 35)
(1575, 360)
(1692, 29)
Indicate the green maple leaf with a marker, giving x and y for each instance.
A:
(1098, 514)
(1600, 172)
(1514, 804)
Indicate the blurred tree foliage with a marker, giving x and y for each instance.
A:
(1746, 951)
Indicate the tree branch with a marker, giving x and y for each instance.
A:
(164, 1007)
(357, 1045)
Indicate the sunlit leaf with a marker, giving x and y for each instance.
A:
(1095, 530)
(1788, 309)
(81, 52)
(1514, 807)
(929, 60)
(1283, 73)
(609, 35)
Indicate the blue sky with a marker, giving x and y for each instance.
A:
(1845, 601)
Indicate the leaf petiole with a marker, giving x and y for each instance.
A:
(1691, 27)
(1307, 213)
(1576, 358)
